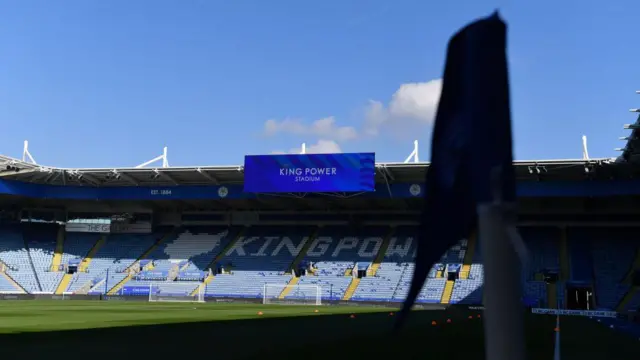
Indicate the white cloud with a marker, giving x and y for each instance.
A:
(411, 103)
(325, 128)
(320, 147)
(274, 127)
(324, 147)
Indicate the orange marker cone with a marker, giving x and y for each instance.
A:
(259, 313)
(434, 323)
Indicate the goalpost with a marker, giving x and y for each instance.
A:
(176, 292)
(292, 294)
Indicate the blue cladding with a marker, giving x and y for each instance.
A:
(152, 275)
(135, 290)
(192, 275)
(353, 172)
(524, 189)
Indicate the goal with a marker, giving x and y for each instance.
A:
(292, 294)
(64, 296)
(176, 292)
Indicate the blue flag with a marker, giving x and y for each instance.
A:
(471, 154)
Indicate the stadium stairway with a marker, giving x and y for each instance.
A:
(57, 255)
(173, 273)
(94, 250)
(373, 269)
(118, 286)
(351, 289)
(226, 249)
(287, 289)
(565, 273)
(204, 284)
(64, 284)
(114, 290)
(635, 266)
(15, 284)
(446, 293)
(552, 296)
(33, 267)
(304, 250)
(627, 298)
(468, 257)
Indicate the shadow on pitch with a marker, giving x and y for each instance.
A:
(283, 337)
(367, 336)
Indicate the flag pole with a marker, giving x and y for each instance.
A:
(556, 350)
(503, 314)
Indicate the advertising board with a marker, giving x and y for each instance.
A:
(348, 172)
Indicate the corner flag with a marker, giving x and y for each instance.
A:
(471, 150)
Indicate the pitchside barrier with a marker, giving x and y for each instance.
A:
(583, 313)
(537, 311)
(68, 296)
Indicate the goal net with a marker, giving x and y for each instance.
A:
(292, 294)
(176, 292)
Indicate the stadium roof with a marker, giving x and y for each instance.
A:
(14, 169)
(631, 151)
(409, 171)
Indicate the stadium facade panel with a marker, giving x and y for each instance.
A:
(215, 192)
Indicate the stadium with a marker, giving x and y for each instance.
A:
(211, 258)
(307, 255)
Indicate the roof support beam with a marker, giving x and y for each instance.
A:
(82, 178)
(51, 176)
(413, 157)
(163, 158)
(387, 173)
(207, 176)
(117, 174)
(26, 155)
(165, 175)
(90, 179)
(4, 172)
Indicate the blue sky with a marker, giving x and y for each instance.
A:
(109, 83)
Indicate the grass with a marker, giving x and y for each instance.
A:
(37, 316)
(40, 329)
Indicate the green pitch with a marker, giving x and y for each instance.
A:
(41, 329)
